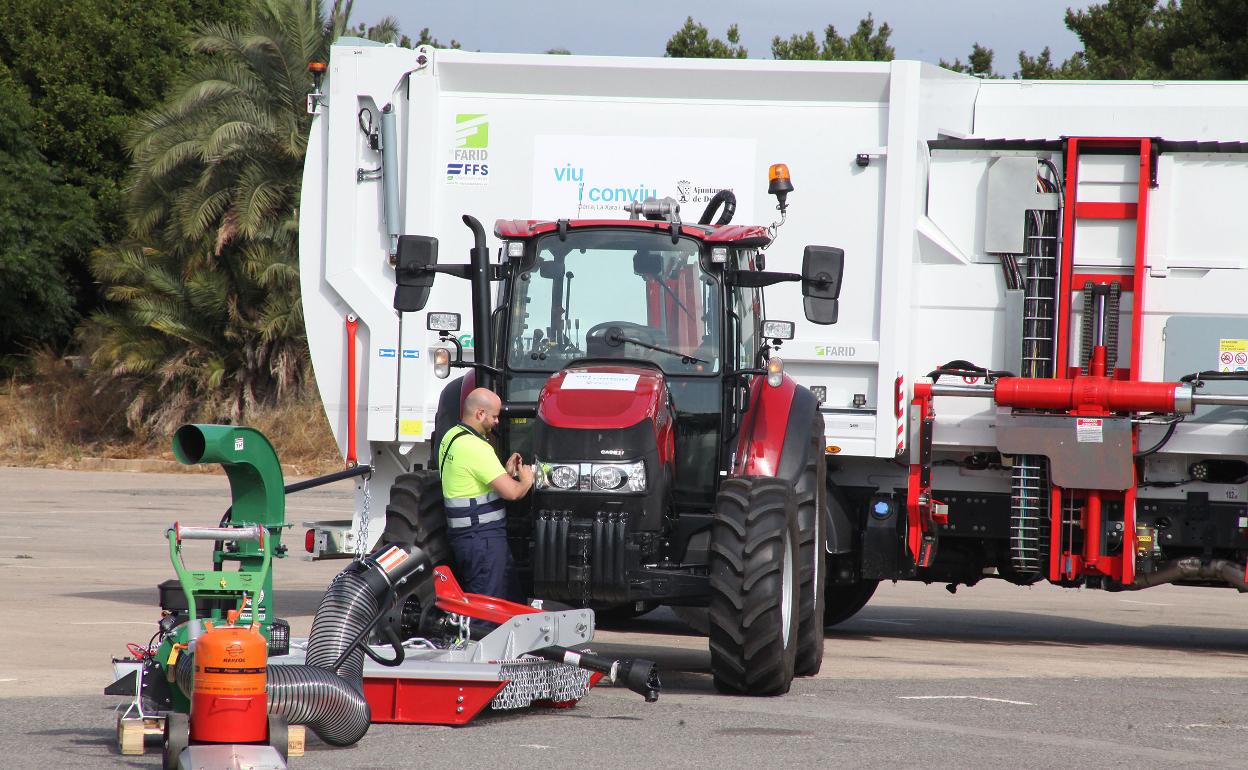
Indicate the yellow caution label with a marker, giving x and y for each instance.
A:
(411, 428)
(1232, 356)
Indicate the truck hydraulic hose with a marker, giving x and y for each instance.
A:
(1192, 568)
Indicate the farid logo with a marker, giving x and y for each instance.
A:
(469, 161)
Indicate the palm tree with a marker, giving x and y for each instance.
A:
(206, 320)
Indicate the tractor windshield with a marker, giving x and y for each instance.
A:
(624, 294)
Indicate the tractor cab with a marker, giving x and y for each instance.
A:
(636, 373)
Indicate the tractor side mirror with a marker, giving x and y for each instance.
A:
(822, 269)
(413, 280)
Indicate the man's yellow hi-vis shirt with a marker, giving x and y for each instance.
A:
(468, 465)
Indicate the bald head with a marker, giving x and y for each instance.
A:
(481, 410)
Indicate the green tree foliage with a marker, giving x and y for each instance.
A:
(42, 218)
(205, 319)
(866, 44)
(1143, 40)
(979, 63)
(694, 41)
(85, 67)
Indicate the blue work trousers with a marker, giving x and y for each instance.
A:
(483, 563)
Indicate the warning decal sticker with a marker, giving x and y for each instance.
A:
(1090, 430)
(1233, 355)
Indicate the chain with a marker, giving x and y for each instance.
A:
(534, 679)
(361, 534)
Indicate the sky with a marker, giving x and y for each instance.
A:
(922, 29)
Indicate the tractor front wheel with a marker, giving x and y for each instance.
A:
(415, 515)
(812, 523)
(755, 585)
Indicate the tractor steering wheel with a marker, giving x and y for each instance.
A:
(600, 336)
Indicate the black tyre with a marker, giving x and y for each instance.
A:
(415, 515)
(842, 602)
(812, 524)
(279, 735)
(177, 738)
(755, 581)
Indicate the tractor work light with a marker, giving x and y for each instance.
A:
(592, 477)
(441, 363)
(515, 249)
(442, 322)
(775, 372)
(719, 255)
(778, 330)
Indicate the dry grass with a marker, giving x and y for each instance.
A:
(56, 417)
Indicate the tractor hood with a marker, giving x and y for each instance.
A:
(604, 397)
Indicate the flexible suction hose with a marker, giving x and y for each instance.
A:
(331, 701)
(1193, 568)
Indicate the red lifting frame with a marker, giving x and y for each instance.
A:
(1121, 568)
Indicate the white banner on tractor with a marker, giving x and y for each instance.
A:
(595, 177)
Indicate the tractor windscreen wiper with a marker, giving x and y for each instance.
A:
(685, 358)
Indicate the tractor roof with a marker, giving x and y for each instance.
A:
(743, 235)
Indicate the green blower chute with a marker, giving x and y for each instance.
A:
(257, 494)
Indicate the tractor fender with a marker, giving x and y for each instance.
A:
(775, 441)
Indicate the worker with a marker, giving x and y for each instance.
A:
(475, 486)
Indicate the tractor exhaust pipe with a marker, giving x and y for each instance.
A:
(479, 262)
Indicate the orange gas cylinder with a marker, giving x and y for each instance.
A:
(228, 702)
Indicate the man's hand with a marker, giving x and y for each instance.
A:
(513, 465)
(526, 475)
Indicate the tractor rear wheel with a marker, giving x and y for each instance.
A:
(415, 515)
(755, 583)
(812, 523)
(844, 601)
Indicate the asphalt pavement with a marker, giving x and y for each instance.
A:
(993, 676)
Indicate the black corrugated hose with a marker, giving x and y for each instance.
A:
(331, 702)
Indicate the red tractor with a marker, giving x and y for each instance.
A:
(677, 463)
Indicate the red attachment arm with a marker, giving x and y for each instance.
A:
(451, 598)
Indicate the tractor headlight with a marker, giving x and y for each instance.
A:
(625, 477)
(592, 477)
(564, 476)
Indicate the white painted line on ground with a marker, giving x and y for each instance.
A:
(1217, 727)
(890, 622)
(965, 697)
(534, 746)
(8, 680)
(17, 537)
(1150, 604)
(346, 514)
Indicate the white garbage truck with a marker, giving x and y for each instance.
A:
(1037, 369)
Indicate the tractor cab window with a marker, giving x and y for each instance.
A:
(747, 314)
(627, 294)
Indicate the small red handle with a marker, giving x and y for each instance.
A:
(352, 324)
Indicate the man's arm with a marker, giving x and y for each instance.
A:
(511, 489)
